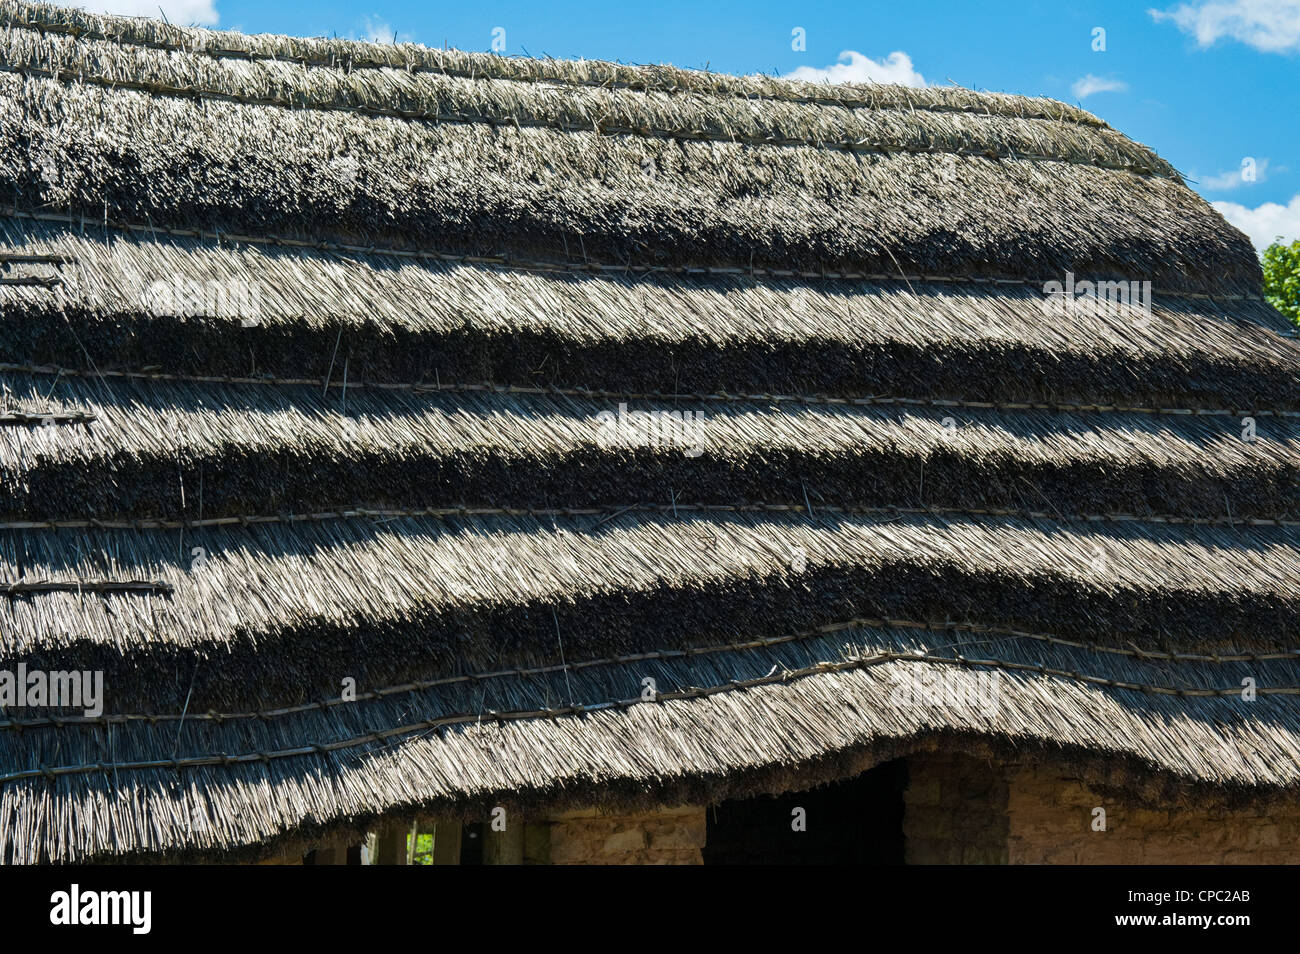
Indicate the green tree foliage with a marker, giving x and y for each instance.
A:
(1282, 278)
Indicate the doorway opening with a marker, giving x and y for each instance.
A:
(857, 821)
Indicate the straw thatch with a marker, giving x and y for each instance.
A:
(128, 449)
(500, 386)
(576, 174)
(416, 321)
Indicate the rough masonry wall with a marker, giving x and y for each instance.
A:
(954, 811)
(670, 836)
(957, 810)
(961, 810)
(1051, 819)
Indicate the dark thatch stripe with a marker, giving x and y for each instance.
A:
(164, 449)
(250, 311)
(284, 607)
(926, 642)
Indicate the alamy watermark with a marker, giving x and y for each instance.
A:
(72, 689)
(76, 906)
(1113, 296)
(680, 429)
(934, 688)
(189, 298)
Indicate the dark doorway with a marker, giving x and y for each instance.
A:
(471, 844)
(858, 821)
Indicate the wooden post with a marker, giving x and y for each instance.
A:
(504, 847)
(391, 845)
(446, 843)
(413, 842)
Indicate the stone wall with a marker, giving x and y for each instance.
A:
(670, 836)
(954, 812)
(1051, 819)
(960, 810)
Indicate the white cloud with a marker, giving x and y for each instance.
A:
(1266, 223)
(179, 12)
(1270, 26)
(853, 67)
(1085, 86)
(378, 31)
(1234, 178)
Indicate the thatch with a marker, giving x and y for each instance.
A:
(282, 603)
(530, 738)
(144, 447)
(420, 321)
(411, 58)
(647, 113)
(492, 167)
(319, 361)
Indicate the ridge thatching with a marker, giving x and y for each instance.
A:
(398, 93)
(412, 58)
(286, 148)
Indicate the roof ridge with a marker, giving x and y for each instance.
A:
(856, 146)
(415, 58)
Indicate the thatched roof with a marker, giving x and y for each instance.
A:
(406, 440)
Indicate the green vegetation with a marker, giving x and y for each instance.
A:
(1282, 278)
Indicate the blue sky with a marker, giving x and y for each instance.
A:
(1214, 87)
